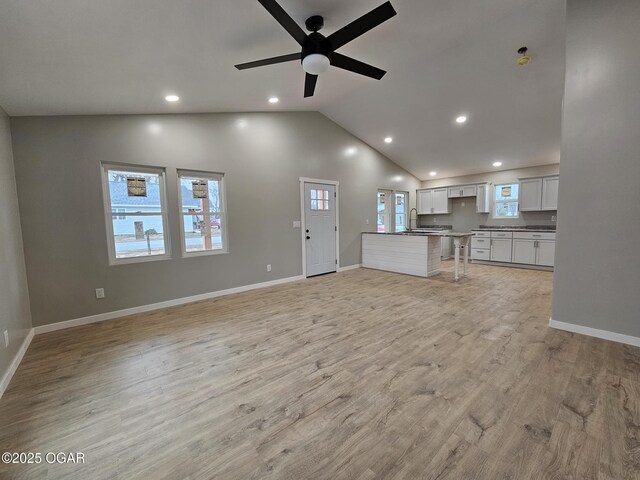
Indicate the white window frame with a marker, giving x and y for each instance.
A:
(106, 196)
(223, 212)
(406, 207)
(494, 202)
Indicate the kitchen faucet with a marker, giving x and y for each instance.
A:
(410, 217)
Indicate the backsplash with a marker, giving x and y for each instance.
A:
(465, 218)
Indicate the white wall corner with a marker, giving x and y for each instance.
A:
(16, 362)
(349, 267)
(595, 332)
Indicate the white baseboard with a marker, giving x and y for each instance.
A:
(156, 306)
(16, 362)
(350, 267)
(595, 332)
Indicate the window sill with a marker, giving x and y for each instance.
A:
(204, 253)
(128, 261)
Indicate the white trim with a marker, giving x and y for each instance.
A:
(156, 306)
(350, 267)
(16, 362)
(106, 200)
(219, 177)
(303, 227)
(595, 332)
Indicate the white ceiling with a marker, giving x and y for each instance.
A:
(444, 57)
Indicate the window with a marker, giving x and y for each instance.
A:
(384, 210)
(319, 199)
(138, 231)
(506, 201)
(202, 208)
(400, 205)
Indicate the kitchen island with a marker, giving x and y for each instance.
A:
(412, 253)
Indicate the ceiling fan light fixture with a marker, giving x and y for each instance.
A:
(315, 63)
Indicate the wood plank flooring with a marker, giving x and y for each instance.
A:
(357, 375)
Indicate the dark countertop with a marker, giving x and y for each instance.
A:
(520, 228)
(423, 234)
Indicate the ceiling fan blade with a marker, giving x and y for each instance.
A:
(310, 84)
(285, 20)
(269, 61)
(356, 66)
(362, 25)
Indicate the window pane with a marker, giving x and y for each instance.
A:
(506, 209)
(197, 237)
(191, 203)
(138, 236)
(121, 196)
(202, 211)
(507, 192)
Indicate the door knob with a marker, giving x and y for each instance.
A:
(308, 237)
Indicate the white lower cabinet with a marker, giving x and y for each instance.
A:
(524, 251)
(525, 248)
(501, 249)
(546, 253)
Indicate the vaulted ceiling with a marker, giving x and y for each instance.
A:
(444, 58)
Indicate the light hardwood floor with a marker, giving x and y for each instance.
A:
(357, 375)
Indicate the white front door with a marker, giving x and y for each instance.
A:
(320, 228)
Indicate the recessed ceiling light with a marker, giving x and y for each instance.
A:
(172, 98)
(497, 164)
(461, 119)
(274, 100)
(388, 140)
(433, 174)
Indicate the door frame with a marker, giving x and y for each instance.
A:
(303, 227)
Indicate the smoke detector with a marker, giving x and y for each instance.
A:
(524, 59)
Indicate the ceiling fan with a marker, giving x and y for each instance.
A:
(318, 51)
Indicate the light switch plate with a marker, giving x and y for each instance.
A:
(6, 338)
(99, 293)
(296, 224)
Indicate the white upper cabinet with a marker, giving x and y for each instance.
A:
(432, 201)
(461, 191)
(483, 203)
(538, 194)
(441, 202)
(550, 193)
(425, 202)
(530, 194)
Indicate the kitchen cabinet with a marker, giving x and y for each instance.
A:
(530, 199)
(461, 191)
(483, 201)
(546, 253)
(425, 202)
(501, 249)
(550, 193)
(537, 194)
(433, 201)
(524, 251)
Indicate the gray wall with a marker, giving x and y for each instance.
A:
(464, 216)
(597, 276)
(58, 175)
(14, 296)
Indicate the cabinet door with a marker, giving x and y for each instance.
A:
(454, 192)
(441, 201)
(425, 201)
(501, 250)
(545, 253)
(530, 195)
(482, 199)
(550, 193)
(468, 190)
(524, 251)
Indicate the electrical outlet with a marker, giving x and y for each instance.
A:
(435, 220)
(462, 204)
(296, 224)
(99, 293)
(268, 267)
(553, 218)
(366, 222)
(6, 338)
